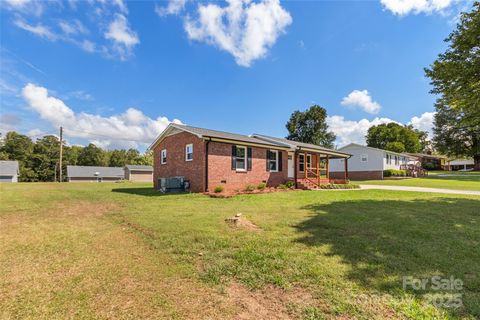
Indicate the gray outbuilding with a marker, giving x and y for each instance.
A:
(94, 174)
(9, 171)
(138, 173)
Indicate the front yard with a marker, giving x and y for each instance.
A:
(436, 179)
(124, 251)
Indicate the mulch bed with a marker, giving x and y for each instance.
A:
(233, 193)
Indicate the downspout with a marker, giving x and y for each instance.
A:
(206, 164)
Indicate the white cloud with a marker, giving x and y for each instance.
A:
(348, 131)
(131, 126)
(34, 7)
(40, 30)
(17, 3)
(107, 17)
(362, 99)
(88, 46)
(404, 7)
(243, 28)
(173, 7)
(424, 122)
(75, 27)
(123, 37)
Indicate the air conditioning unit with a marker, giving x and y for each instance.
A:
(173, 184)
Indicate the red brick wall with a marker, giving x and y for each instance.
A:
(358, 175)
(220, 168)
(194, 170)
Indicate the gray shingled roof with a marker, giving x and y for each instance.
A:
(255, 138)
(138, 167)
(8, 168)
(299, 145)
(224, 135)
(93, 172)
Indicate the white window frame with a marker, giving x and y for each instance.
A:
(309, 161)
(276, 161)
(300, 162)
(187, 153)
(389, 159)
(397, 162)
(164, 151)
(245, 159)
(364, 158)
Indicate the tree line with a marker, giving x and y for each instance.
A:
(39, 160)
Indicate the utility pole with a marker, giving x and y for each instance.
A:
(61, 153)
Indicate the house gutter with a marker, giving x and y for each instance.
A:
(206, 163)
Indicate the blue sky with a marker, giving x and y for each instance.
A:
(116, 73)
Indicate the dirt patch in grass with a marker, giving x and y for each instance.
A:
(242, 223)
(70, 261)
(270, 302)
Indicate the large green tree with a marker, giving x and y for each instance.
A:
(19, 147)
(92, 155)
(310, 126)
(455, 77)
(395, 137)
(45, 158)
(453, 139)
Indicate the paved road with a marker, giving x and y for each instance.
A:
(419, 189)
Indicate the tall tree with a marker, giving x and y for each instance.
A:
(19, 147)
(118, 158)
(455, 77)
(310, 126)
(92, 155)
(394, 137)
(45, 157)
(453, 139)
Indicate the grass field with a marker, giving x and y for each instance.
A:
(436, 179)
(125, 251)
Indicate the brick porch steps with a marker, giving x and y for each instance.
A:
(309, 185)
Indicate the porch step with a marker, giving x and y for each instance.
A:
(309, 185)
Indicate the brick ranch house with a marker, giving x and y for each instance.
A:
(207, 158)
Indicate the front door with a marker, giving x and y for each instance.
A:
(291, 165)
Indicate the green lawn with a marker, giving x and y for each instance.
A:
(436, 179)
(124, 251)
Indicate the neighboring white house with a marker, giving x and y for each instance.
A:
(9, 171)
(367, 162)
(461, 164)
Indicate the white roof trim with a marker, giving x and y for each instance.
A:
(165, 132)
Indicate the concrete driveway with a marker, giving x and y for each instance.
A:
(420, 189)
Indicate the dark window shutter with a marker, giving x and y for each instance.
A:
(280, 160)
(249, 159)
(234, 157)
(268, 158)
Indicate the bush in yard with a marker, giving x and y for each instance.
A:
(218, 189)
(339, 186)
(282, 186)
(249, 188)
(428, 166)
(394, 173)
(289, 184)
(262, 186)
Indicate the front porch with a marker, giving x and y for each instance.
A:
(311, 169)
